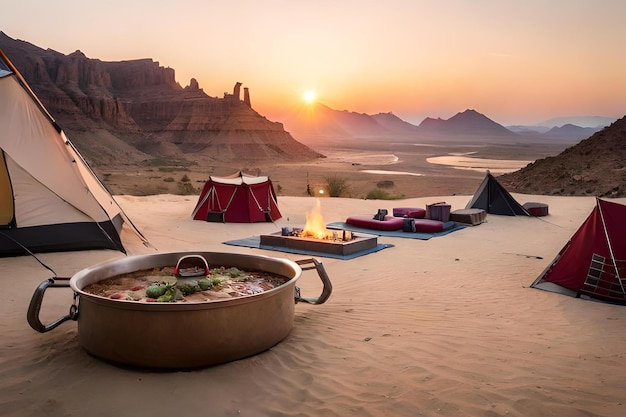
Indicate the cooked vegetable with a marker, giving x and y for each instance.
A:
(187, 288)
(205, 284)
(155, 290)
(171, 294)
(234, 272)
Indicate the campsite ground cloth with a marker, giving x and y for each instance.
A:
(452, 227)
(255, 242)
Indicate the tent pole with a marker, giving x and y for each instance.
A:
(608, 241)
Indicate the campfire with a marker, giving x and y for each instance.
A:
(315, 237)
(315, 228)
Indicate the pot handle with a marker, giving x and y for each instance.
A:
(328, 287)
(35, 306)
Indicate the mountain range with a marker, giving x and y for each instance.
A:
(131, 111)
(134, 112)
(314, 122)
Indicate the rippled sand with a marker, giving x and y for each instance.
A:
(444, 327)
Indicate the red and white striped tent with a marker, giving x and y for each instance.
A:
(239, 198)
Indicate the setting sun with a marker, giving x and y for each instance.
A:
(308, 96)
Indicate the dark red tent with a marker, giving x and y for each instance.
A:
(593, 262)
(239, 198)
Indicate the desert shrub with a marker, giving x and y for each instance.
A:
(168, 179)
(385, 184)
(186, 188)
(378, 194)
(185, 178)
(336, 186)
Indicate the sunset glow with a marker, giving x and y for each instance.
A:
(516, 61)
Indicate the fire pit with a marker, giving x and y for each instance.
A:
(339, 242)
(314, 237)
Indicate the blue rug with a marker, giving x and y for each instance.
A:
(449, 227)
(255, 242)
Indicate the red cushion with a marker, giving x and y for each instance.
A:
(390, 223)
(428, 226)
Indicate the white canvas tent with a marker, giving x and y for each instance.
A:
(50, 200)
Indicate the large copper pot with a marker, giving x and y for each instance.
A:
(181, 335)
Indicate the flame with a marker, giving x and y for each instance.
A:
(315, 225)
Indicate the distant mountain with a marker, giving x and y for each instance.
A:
(129, 112)
(469, 122)
(570, 131)
(567, 132)
(318, 120)
(394, 124)
(596, 166)
(598, 122)
(532, 129)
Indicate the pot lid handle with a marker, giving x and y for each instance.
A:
(191, 266)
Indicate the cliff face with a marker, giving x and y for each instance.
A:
(138, 106)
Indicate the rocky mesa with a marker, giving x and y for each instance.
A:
(129, 112)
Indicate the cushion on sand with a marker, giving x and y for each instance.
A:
(536, 209)
(367, 222)
(439, 211)
(412, 212)
(469, 216)
(428, 226)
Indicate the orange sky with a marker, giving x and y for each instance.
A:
(516, 61)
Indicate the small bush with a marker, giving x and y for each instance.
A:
(185, 178)
(186, 188)
(336, 186)
(168, 179)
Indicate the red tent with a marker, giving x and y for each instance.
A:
(239, 198)
(593, 262)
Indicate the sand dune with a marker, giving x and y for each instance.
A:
(444, 327)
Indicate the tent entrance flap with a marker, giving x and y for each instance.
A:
(7, 207)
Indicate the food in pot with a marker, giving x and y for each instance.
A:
(161, 285)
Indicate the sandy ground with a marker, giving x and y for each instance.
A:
(443, 327)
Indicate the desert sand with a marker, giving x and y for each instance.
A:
(439, 327)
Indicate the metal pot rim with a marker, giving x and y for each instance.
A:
(107, 269)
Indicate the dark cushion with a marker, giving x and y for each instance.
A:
(412, 212)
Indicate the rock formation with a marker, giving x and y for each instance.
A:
(130, 111)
